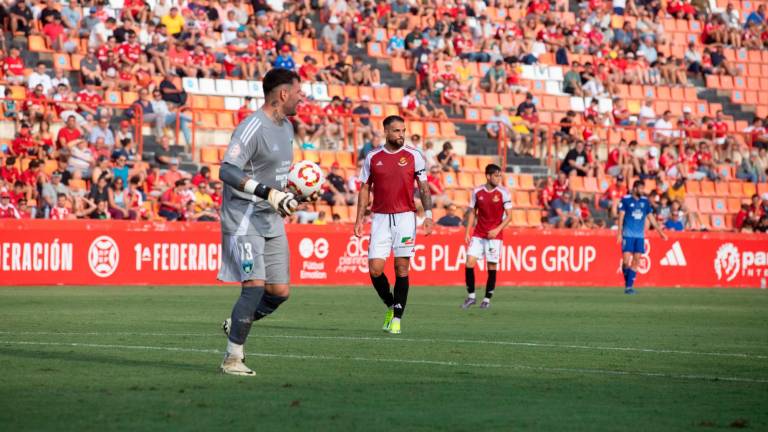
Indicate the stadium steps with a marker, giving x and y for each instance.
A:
(737, 111)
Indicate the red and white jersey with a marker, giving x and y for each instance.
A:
(391, 176)
(491, 206)
(59, 213)
(9, 212)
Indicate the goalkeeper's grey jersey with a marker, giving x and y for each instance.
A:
(263, 149)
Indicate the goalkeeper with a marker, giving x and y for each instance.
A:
(254, 246)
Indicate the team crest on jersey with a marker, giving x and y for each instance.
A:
(495, 198)
(403, 161)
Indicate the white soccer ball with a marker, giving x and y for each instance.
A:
(305, 178)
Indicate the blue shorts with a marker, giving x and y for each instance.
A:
(632, 245)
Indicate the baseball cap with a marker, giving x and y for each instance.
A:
(687, 109)
(347, 100)
(365, 98)
(286, 48)
(4, 195)
(425, 41)
(125, 124)
(335, 165)
(334, 20)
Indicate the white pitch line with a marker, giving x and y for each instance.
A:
(406, 361)
(425, 340)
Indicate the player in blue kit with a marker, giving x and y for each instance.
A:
(634, 210)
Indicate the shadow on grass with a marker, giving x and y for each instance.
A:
(106, 359)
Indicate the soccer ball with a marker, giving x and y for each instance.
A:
(305, 178)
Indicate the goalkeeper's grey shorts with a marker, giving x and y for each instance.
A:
(253, 257)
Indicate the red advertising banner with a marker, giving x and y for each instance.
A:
(39, 252)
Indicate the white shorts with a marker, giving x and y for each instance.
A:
(485, 248)
(392, 232)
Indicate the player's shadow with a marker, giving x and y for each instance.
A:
(107, 359)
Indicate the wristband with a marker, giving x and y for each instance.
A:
(253, 187)
(428, 214)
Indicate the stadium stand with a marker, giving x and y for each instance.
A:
(675, 92)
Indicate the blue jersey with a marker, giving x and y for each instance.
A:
(636, 210)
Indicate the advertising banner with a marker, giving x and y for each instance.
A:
(39, 252)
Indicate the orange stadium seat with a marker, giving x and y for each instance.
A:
(209, 155)
(522, 199)
(749, 189)
(533, 217)
(344, 159)
(693, 187)
(705, 205)
(707, 188)
(478, 179)
(519, 218)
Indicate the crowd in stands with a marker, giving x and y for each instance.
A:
(90, 168)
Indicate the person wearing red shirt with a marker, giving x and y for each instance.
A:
(611, 197)
(35, 104)
(180, 60)
(9, 172)
(620, 113)
(546, 193)
(171, 206)
(491, 206)
(436, 188)
(54, 33)
(13, 66)
(7, 210)
(202, 176)
(721, 129)
(70, 132)
(308, 71)
(102, 53)
(30, 176)
(390, 172)
(705, 162)
(618, 162)
(245, 110)
(60, 211)
(560, 185)
(88, 101)
(130, 50)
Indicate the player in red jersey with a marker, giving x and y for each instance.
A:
(491, 206)
(389, 172)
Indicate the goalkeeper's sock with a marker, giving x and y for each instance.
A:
(401, 295)
(381, 285)
(491, 284)
(469, 277)
(235, 350)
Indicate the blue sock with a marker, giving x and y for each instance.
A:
(624, 271)
(631, 274)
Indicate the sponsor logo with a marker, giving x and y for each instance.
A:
(403, 161)
(727, 262)
(103, 256)
(379, 163)
(355, 258)
(407, 241)
(313, 253)
(674, 257)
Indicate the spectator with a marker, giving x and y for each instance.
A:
(100, 211)
(410, 105)
(60, 211)
(51, 192)
(103, 131)
(7, 209)
(244, 110)
(575, 162)
(173, 175)
(333, 36)
(705, 163)
(13, 66)
(450, 219)
(10, 110)
(647, 116)
(167, 118)
(170, 92)
(202, 176)
(39, 77)
(101, 32)
(612, 195)
(526, 104)
(21, 18)
(741, 222)
(120, 169)
(497, 122)
(563, 214)
(81, 159)
(165, 154)
(336, 192)
(320, 220)
(495, 79)
(173, 22)
(100, 189)
(284, 60)
(171, 206)
(674, 222)
(437, 188)
(120, 200)
(572, 81)
(446, 158)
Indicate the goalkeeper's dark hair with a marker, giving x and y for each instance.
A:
(491, 169)
(277, 77)
(391, 119)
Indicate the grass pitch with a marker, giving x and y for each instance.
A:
(97, 358)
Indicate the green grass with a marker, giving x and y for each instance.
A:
(146, 358)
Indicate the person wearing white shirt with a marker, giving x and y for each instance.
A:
(229, 27)
(59, 78)
(664, 127)
(39, 77)
(101, 32)
(594, 88)
(647, 114)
